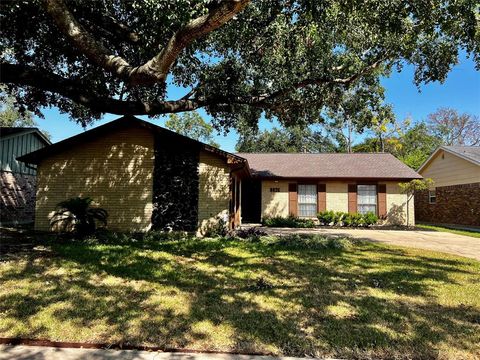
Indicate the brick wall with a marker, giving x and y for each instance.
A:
(214, 189)
(455, 204)
(17, 195)
(115, 170)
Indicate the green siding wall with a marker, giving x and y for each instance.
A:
(13, 146)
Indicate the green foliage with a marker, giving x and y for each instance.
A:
(416, 185)
(216, 228)
(11, 115)
(77, 215)
(191, 124)
(306, 242)
(370, 218)
(290, 221)
(280, 59)
(288, 140)
(331, 217)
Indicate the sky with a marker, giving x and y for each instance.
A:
(460, 91)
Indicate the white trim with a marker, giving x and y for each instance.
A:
(425, 163)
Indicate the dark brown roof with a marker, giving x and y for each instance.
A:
(357, 165)
(126, 121)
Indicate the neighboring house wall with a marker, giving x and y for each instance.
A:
(115, 171)
(276, 203)
(457, 191)
(455, 204)
(447, 169)
(214, 189)
(17, 181)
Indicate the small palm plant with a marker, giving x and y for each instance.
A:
(77, 215)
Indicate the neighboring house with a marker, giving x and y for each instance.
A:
(455, 198)
(148, 177)
(304, 184)
(17, 180)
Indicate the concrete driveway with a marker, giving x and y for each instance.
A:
(423, 239)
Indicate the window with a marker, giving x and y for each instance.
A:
(275, 189)
(307, 200)
(432, 197)
(367, 198)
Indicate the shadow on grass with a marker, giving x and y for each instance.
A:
(234, 295)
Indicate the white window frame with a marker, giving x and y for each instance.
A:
(367, 196)
(434, 196)
(307, 198)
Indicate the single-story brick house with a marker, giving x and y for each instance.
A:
(148, 177)
(455, 197)
(304, 184)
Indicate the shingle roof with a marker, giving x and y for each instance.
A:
(470, 152)
(300, 165)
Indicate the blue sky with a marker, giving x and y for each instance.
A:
(460, 91)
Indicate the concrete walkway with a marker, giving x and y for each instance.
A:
(21, 352)
(461, 245)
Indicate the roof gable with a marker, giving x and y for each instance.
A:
(123, 122)
(328, 165)
(469, 153)
(11, 132)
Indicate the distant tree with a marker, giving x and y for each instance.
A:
(192, 124)
(454, 128)
(295, 139)
(417, 144)
(11, 115)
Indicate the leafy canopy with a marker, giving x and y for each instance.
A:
(237, 59)
(192, 124)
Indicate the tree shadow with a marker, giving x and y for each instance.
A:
(244, 296)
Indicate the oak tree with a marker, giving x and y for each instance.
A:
(237, 59)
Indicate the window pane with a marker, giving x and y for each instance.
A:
(367, 198)
(307, 210)
(307, 200)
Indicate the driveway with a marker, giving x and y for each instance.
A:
(423, 239)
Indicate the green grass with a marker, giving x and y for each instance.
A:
(453, 231)
(292, 296)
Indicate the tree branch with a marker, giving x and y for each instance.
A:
(156, 69)
(74, 90)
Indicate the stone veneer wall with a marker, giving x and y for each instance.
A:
(455, 204)
(175, 184)
(17, 194)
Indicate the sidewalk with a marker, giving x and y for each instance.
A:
(21, 352)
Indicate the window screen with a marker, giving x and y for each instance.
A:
(307, 200)
(367, 198)
(432, 197)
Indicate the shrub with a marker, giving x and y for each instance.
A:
(326, 217)
(339, 217)
(217, 228)
(251, 233)
(370, 218)
(78, 216)
(307, 242)
(291, 221)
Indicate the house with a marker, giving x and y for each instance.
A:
(17, 180)
(305, 184)
(455, 198)
(148, 177)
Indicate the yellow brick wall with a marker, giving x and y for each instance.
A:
(115, 170)
(337, 195)
(274, 203)
(397, 206)
(214, 189)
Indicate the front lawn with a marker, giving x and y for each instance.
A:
(445, 229)
(293, 296)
